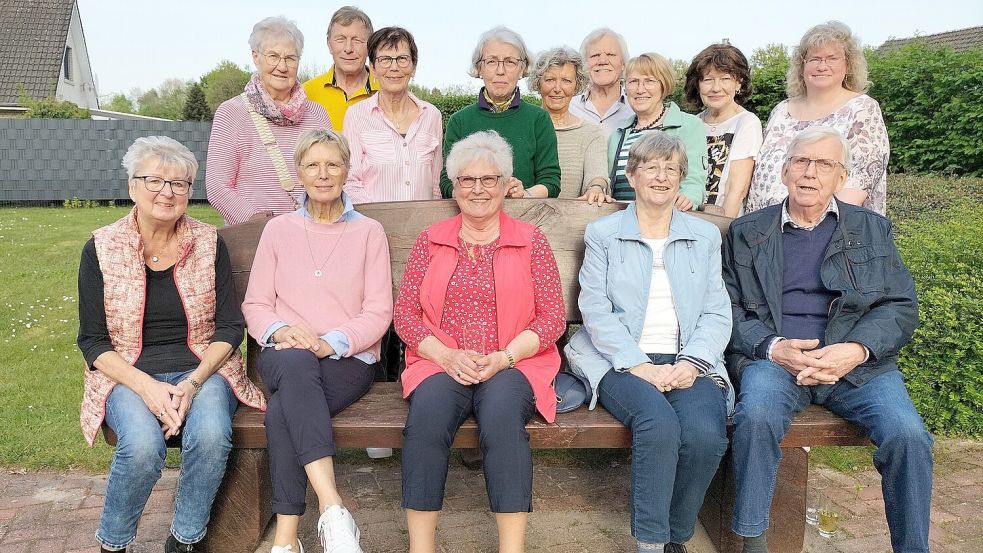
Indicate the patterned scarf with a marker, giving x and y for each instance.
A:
(284, 115)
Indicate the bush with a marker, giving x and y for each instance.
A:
(52, 108)
(932, 100)
(943, 363)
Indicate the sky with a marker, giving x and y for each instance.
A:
(140, 43)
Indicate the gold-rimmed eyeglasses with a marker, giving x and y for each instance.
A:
(823, 166)
(156, 184)
(313, 168)
(274, 59)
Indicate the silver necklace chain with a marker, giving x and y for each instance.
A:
(317, 268)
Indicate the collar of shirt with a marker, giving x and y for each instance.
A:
(831, 209)
(347, 214)
(368, 89)
(621, 99)
(483, 103)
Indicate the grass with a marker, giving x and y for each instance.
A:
(41, 370)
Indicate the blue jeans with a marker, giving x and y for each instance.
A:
(678, 438)
(768, 401)
(206, 439)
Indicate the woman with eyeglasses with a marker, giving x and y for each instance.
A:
(159, 329)
(319, 300)
(656, 321)
(394, 136)
(649, 79)
(480, 309)
(255, 133)
(500, 59)
(826, 81)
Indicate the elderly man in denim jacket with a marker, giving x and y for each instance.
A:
(822, 303)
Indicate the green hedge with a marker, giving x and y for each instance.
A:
(938, 224)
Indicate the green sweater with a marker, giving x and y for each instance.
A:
(527, 128)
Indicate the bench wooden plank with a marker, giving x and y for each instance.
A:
(377, 419)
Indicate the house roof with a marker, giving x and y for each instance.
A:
(33, 35)
(959, 40)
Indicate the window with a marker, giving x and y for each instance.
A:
(67, 65)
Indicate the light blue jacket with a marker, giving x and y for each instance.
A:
(614, 290)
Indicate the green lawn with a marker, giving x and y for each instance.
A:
(41, 369)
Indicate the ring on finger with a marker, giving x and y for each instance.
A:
(160, 415)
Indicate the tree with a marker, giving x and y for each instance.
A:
(121, 104)
(167, 102)
(50, 107)
(223, 82)
(195, 107)
(768, 68)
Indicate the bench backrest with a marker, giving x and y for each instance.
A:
(562, 221)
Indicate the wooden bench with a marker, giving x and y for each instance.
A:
(242, 509)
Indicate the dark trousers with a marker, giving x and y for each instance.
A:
(438, 406)
(678, 439)
(305, 393)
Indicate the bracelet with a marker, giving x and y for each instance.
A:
(511, 359)
(601, 186)
(194, 383)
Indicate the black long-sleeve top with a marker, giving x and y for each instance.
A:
(165, 325)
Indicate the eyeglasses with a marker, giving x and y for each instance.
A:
(672, 170)
(492, 64)
(156, 184)
(313, 169)
(274, 59)
(487, 181)
(387, 61)
(823, 166)
(647, 82)
(828, 60)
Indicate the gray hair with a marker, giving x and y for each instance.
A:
(167, 151)
(505, 36)
(558, 57)
(273, 28)
(811, 135)
(657, 145)
(346, 15)
(598, 34)
(831, 33)
(480, 146)
(308, 139)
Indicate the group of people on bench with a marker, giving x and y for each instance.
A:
(805, 301)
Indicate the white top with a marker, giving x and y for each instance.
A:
(660, 333)
(737, 137)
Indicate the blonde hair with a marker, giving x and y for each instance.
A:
(656, 66)
(321, 136)
(831, 33)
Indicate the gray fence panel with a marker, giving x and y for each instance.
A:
(51, 160)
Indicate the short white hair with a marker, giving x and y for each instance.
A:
(480, 146)
(505, 36)
(167, 151)
(811, 135)
(322, 136)
(273, 28)
(598, 34)
(659, 145)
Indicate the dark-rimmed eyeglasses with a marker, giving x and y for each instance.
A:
(487, 181)
(823, 166)
(156, 184)
(387, 61)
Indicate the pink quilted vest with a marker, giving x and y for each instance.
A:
(120, 252)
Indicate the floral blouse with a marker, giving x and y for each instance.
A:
(859, 121)
(471, 295)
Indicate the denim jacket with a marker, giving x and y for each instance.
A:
(614, 291)
(875, 304)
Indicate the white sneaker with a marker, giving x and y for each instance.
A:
(379, 452)
(337, 531)
(286, 548)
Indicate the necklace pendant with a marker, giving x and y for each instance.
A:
(154, 258)
(318, 273)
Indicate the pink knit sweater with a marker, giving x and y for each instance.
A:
(354, 295)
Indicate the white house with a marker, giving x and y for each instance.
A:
(44, 54)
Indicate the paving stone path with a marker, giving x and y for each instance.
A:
(578, 507)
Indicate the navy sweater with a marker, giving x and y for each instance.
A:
(805, 301)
